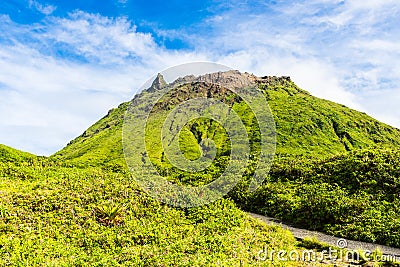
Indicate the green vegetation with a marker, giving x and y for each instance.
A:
(101, 144)
(322, 177)
(53, 215)
(305, 125)
(8, 154)
(314, 127)
(355, 195)
(336, 170)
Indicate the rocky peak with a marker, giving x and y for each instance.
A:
(158, 83)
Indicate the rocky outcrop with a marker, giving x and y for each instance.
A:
(158, 83)
(274, 79)
(232, 79)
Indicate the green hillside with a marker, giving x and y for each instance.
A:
(315, 173)
(53, 215)
(100, 144)
(8, 154)
(306, 125)
(336, 170)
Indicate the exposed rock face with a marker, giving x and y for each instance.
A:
(158, 83)
(230, 79)
(187, 91)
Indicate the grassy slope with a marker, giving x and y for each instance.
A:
(311, 126)
(306, 125)
(8, 154)
(52, 215)
(101, 143)
(329, 134)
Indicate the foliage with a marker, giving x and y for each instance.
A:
(52, 215)
(8, 154)
(109, 214)
(81, 207)
(314, 243)
(354, 195)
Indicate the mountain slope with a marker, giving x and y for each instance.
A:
(8, 154)
(354, 195)
(305, 125)
(334, 170)
(52, 215)
(66, 212)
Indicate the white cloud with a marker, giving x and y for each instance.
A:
(360, 16)
(49, 99)
(370, 4)
(108, 40)
(61, 99)
(383, 104)
(44, 9)
(337, 50)
(315, 76)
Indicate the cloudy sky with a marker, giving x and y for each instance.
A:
(64, 64)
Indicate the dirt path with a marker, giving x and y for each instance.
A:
(331, 240)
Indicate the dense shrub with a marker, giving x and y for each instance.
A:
(354, 195)
(65, 216)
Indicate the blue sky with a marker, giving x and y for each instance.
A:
(65, 63)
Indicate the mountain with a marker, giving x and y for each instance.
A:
(305, 125)
(81, 207)
(335, 168)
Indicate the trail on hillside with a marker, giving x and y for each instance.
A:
(328, 239)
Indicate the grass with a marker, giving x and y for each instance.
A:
(53, 215)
